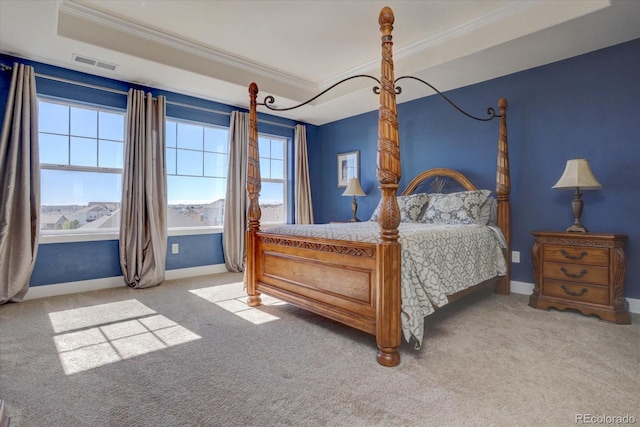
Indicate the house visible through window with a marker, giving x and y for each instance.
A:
(196, 174)
(81, 161)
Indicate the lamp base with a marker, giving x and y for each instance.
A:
(576, 207)
(354, 209)
(577, 228)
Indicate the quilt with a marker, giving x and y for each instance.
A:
(437, 260)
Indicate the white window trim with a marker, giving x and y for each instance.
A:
(284, 180)
(186, 231)
(59, 236)
(69, 237)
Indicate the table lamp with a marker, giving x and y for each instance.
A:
(354, 189)
(577, 175)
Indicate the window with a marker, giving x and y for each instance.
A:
(81, 161)
(196, 174)
(197, 164)
(273, 173)
(82, 158)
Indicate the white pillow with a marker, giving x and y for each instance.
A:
(489, 211)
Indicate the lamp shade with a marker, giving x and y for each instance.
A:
(353, 188)
(577, 174)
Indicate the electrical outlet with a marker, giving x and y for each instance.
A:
(175, 248)
(515, 257)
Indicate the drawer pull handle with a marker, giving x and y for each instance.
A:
(573, 257)
(574, 275)
(574, 294)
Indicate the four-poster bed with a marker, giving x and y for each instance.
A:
(358, 282)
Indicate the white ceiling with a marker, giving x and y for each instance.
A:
(295, 49)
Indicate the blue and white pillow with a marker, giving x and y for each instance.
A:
(455, 208)
(411, 207)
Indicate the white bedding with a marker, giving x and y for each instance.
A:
(437, 260)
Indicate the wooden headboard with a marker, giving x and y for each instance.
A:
(451, 174)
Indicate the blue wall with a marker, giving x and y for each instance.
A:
(75, 261)
(69, 262)
(587, 106)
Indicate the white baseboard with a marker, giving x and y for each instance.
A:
(527, 289)
(114, 282)
(523, 288)
(44, 291)
(182, 273)
(634, 305)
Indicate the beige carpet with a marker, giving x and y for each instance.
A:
(190, 353)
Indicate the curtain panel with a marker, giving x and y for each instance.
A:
(19, 186)
(143, 223)
(303, 205)
(235, 203)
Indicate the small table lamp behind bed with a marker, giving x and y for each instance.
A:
(354, 189)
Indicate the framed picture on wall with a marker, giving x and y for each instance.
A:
(348, 167)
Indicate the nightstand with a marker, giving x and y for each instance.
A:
(583, 271)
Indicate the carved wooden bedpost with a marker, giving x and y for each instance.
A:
(503, 189)
(388, 326)
(253, 189)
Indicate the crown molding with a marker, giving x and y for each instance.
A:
(87, 13)
(509, 9)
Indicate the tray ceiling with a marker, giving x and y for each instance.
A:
(295, 49)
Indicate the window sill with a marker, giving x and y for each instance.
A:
(190, 231)
(77, 237)
(115, 235)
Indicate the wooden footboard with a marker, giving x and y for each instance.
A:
(333, 278)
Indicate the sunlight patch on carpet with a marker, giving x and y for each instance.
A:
(233, 298)
(89, 337)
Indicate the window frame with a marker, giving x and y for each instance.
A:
(79, 235)
(286, 141)
(202, 229)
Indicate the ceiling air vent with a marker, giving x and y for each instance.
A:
(93, 62)
(106, 66)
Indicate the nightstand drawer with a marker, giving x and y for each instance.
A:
(576, 291)
(582, 255)
(576, 273)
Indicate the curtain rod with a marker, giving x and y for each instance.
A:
(5, 67)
